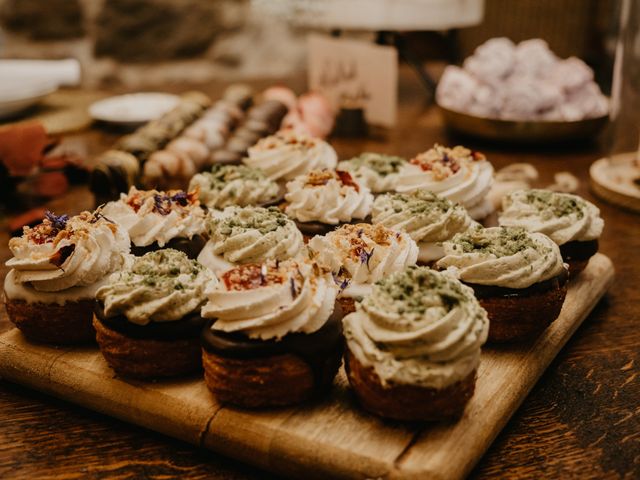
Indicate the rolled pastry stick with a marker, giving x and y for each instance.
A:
(119, 169)
(261, 120)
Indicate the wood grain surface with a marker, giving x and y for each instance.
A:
(581, 420)
(330, 437)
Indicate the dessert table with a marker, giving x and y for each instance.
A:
(580, 421)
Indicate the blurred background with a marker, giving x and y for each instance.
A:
(141, 43)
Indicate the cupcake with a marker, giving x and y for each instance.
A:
(154, 220)
(322, 199)
(413, 346)
(378, 172)
(227, 185)
(459, 174)
(147, 316)
(569, 220)
(239, 235)
(287, 154)
(56, 268)
(517, 276)
(360, 255)
(426, 217)
(275, 337)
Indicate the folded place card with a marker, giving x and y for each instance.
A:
(356, 73)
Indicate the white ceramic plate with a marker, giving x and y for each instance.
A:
(18, 94)
(133, 109)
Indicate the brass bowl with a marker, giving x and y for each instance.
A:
(515, 131)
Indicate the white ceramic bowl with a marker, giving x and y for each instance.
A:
(133, 109)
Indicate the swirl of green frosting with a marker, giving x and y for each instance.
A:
(377, 171)
(160, 286)
(425, 216)
(508, 257)
(227, 185)
(419, 327)
(253, 234)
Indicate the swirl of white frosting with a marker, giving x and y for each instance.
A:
(288, 154)
(377, 171)
(457, 173)
(247, 235)
(561, 216)
(426, 217)
(271, 299)
(360, 255)
(152, 216)
(160, 286)
(327, 196)
(418, 327)
(507, 257)
(227, 185)
(62, 253)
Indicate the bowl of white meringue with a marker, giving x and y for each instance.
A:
(522, 93)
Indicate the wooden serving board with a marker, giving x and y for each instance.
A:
(327, 438)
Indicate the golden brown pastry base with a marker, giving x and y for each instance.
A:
(520, 318)
(147, 358)
(347, 304)
(272, 381)
(408, 402)
(52, 323)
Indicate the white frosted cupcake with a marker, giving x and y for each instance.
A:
(275, 336)
(322, 199)
(287, 154)
(56, 268)
(155, 219)
(147, 316)
(458, 174)
(517, 276)
(413, 346)
(240, 235)
(377, 171)
(227, 185)
(426, 217)
(569, 220)
(359, 255)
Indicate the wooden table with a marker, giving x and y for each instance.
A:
(582, 420)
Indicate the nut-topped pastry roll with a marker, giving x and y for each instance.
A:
(286, 155)
(56, 268)
(156, 219)
(240, 235)
(518, 277)
(414, 346)
(227, 185)
(121, 167)
(569, 220)
(275, 338)
(459, 174)
(147, 317)
(377, 171)
(322, 199)
(428, 218)
(359, 255)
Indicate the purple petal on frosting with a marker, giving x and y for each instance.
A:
(58, 222)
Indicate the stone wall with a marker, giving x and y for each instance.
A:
(139, 43)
